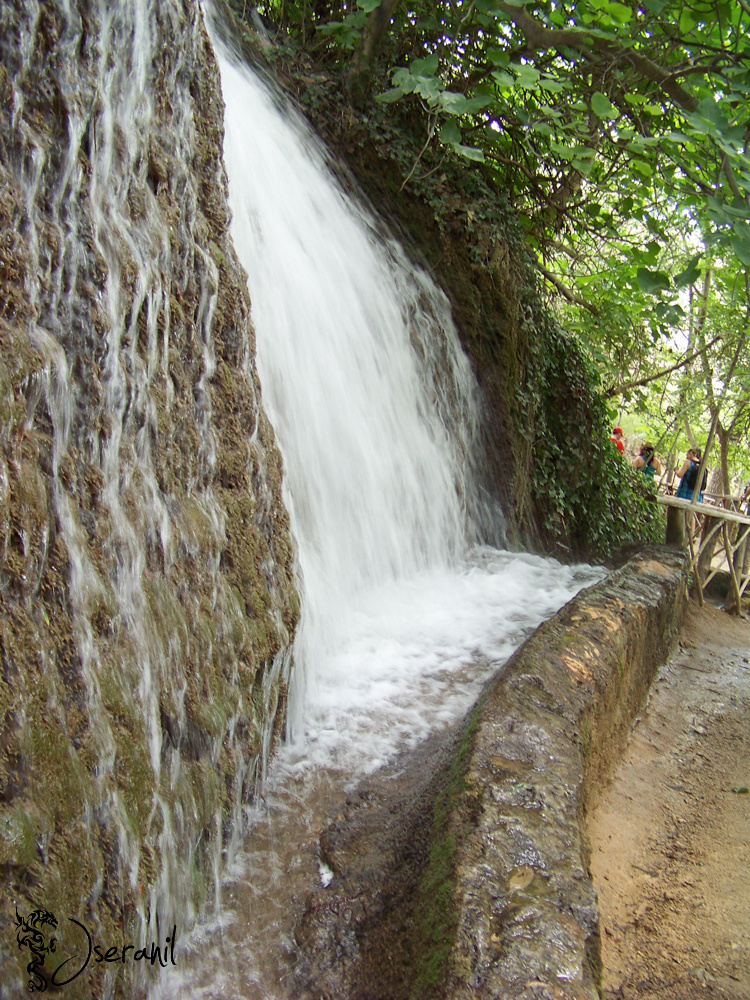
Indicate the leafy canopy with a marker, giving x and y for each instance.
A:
(586, 113)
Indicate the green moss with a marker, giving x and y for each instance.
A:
(207, 792)
(134, 775)
(436, 912)
(22, 829)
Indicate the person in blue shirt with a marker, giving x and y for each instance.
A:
(647, 462)
(687, 475)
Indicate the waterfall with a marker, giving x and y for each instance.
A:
(148, 572)
(363, 378)
(375, 410)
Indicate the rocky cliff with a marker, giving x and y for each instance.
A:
(145, 557)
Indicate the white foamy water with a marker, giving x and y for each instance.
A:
(412, 658)
(404, 617)
(414, 655)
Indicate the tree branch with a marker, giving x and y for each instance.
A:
(566, 292)
(618, 390)
(539, 38)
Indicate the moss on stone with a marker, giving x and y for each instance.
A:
(435, 911)
(81, 797)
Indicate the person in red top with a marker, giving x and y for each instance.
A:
(616, 436)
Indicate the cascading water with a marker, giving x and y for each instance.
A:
(372, 472)
(145, 562)
(403, 620)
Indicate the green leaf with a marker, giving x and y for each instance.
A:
(450, 132)
(642, 168)
(618, 11)
(528, 76)
(330, 28)
(394, 94)
(652, 282)
(602, 106)
(498, 57)
(470, 152)
(688, 20)
(425, 67)
(368, 5)
(552, 86)
(504, 80)
(690, 275)
(708, 117)
(458, 104)
(741, 246)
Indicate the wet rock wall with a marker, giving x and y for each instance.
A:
(146, 566)
(545, 740)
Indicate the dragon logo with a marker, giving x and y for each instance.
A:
(35, 933)
(31, 935)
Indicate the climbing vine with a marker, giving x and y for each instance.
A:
(584, 490)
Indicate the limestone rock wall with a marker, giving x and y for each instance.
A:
(146, 565)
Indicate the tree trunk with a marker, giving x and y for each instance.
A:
(358, 77)
(724, 437)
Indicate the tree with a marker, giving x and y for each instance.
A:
(592, 115)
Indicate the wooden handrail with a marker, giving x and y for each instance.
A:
(724, 520)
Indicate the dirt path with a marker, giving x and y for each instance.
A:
(671, 838)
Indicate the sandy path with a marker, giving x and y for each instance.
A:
(671, 837)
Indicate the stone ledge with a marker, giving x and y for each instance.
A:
(549, 732)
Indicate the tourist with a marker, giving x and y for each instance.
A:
(688, 474)
(647, 462)
(616, 436)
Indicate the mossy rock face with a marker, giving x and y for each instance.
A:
(146, 565)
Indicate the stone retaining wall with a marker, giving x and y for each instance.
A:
(548, 735)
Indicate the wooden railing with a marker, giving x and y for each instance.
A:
(701, 526)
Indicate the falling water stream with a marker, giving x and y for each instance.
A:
(405, 614)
